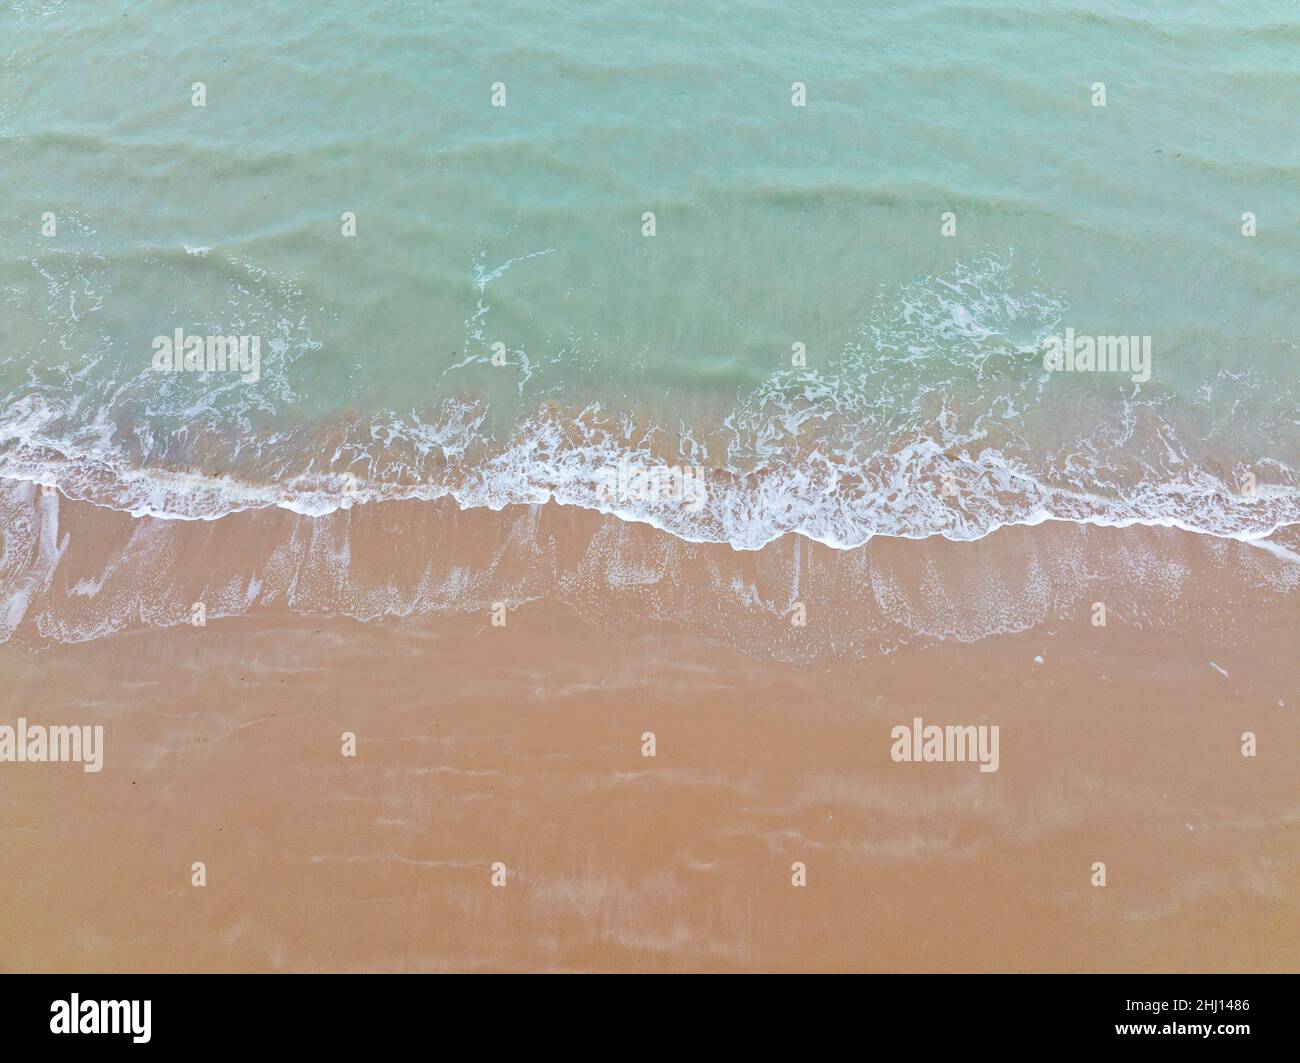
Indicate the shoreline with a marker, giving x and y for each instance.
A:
(73, 570)
(920, 483)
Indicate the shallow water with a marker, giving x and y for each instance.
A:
(923, 408)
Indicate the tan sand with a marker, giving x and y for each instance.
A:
(522, 744)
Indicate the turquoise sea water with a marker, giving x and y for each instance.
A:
(923, 407)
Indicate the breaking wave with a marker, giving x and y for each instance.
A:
(935, 419)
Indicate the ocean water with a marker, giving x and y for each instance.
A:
(922, 406)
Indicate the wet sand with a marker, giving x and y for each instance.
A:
(522, 744)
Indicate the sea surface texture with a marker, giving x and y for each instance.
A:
(809, 255)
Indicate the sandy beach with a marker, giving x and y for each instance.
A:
(482, 744)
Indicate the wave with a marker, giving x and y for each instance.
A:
(926, 485)
(935, 418)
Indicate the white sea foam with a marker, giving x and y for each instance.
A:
(931, 422)
(840, 504)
